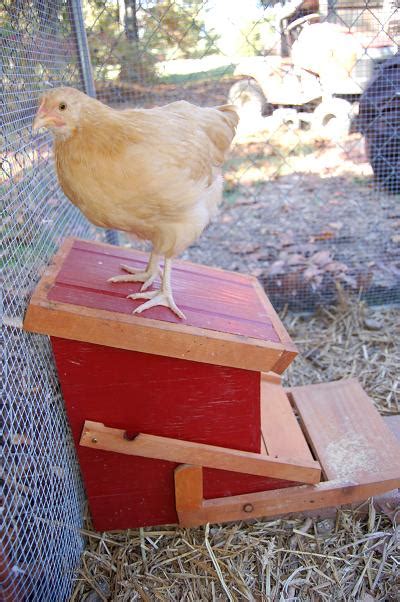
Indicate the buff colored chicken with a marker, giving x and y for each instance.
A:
(155, 173)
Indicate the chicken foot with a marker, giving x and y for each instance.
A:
(147, 276)
(159, 297)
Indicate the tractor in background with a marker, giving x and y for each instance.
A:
(318, 74)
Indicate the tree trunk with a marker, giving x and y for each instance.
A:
(130, 21)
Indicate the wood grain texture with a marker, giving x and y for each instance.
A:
(346, 432)
(393, 422)
(356, 448)
(281, 432)
(96, 435)
(188, 487)
(163, 396)
(211, 300)
(229, 323)
(274, 503)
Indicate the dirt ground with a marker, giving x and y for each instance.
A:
(306, 221)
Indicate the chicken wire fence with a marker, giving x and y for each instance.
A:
(42, 494)
(302, 210)
(307, 209)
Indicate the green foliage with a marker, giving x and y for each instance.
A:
(212, 74)
(257, 37)
(175, 29)
(128, 48)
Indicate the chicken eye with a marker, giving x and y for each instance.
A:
(62, 106)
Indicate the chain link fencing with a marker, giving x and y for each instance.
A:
(42, 494)
(307, 209)
(302, 209)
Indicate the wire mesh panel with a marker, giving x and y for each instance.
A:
(307, 208)
(43, 496)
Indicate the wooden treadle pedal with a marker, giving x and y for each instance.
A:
(359, 456)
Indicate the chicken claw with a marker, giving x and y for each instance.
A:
(158, 297)
(136, 275)
(146, 276)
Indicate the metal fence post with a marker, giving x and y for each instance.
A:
(85, 67)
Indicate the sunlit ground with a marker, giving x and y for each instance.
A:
(269, 152)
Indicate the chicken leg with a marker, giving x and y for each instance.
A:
(136, 275)
(160, 297)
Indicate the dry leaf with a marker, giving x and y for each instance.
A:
(326, 235)
(321, 258)
(336, 225)
(296, 259)
(310, 273)
(286, 238)
(244, 248)
(276, 268)
(242, 200)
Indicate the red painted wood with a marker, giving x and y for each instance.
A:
(162, 396)
(129, 510)
(210, 298)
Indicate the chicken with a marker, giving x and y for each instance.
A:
(154, 173)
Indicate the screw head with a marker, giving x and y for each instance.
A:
(94, 440)
(248, 508)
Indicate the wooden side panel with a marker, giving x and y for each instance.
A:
(281, 432)
(161, 396)
(188, 487)
(220, 483)
(348, 436)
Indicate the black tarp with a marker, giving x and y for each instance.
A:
(379, 121)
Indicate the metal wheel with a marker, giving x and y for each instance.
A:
(248, 97)
(332, 118)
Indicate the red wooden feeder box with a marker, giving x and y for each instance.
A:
(188, 422)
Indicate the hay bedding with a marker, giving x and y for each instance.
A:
(352, 555)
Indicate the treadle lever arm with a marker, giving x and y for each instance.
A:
(193, 510)
(98, 436)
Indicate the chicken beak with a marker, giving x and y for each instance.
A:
(41, 119)
(39, 122)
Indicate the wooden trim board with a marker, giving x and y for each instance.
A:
(98, 436)
(132, 332)
(198, 511)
